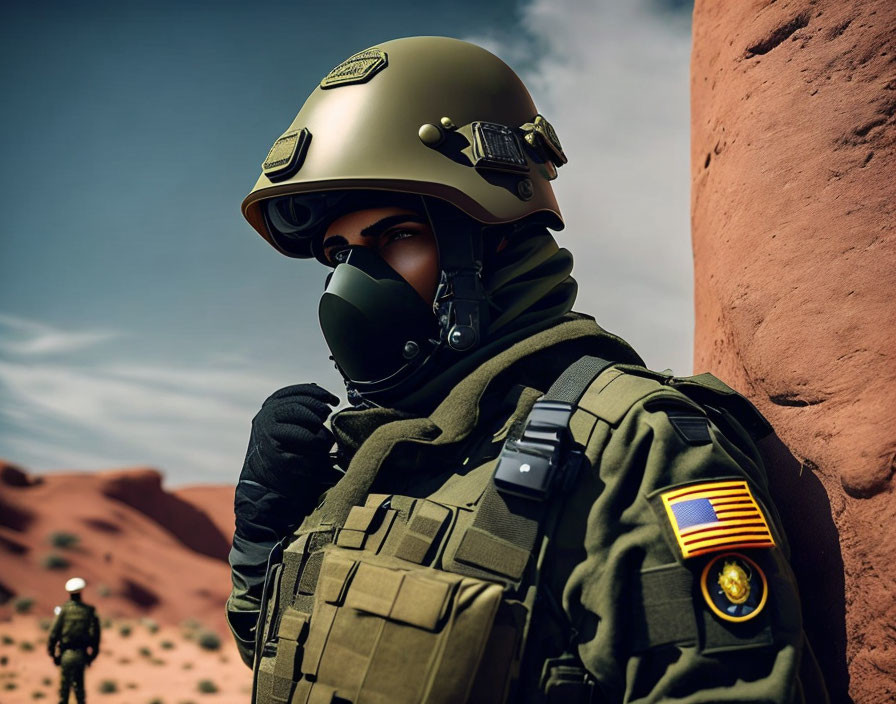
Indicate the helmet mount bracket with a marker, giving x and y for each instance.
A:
(460, 304)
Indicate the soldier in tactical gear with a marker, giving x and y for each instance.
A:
(516, 509)
(74, 641)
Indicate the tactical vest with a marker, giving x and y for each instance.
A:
(429, 596)
(79, 626)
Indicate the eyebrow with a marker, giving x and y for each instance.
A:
(377, 228)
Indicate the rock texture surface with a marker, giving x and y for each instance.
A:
(793, 203)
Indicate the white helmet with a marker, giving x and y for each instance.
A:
(74, 585)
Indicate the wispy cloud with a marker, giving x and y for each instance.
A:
(28, 337)
(191, 421)
(613, 79)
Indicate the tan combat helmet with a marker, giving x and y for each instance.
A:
(422, 115)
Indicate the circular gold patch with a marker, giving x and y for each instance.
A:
(734, 587)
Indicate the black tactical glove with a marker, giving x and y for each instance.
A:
(289, 445)
(287, 468)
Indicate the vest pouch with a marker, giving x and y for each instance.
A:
(384, 630)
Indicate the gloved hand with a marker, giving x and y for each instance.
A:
(289, 444)
(287, 468)
(287, 464)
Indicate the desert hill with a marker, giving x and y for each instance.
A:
(143, 550)
(155, 564)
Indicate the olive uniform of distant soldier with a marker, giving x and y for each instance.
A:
(516, 509)
(74, 640)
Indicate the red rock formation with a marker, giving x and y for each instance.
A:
(143, 550)
(793, 201)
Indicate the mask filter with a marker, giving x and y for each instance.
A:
(375, 323)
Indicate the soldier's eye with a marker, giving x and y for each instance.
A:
(338, 256)
(399, 235)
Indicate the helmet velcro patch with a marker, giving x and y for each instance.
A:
(286, 155)
(356, 69)
(707, 517)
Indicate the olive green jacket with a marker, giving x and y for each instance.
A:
(76, 627)
(614, 586)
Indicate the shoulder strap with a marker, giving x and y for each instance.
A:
(540, 459)
(525, 525)
(572, 384)
(534, 463)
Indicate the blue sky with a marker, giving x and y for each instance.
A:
(142, 322)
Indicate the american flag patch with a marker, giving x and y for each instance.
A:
(713, 516)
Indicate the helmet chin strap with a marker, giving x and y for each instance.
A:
(461, 304)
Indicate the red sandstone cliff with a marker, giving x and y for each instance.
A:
(793, 201)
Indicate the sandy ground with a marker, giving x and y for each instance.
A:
(146, 667)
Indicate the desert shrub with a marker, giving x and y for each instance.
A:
(55, 561)
(106, 623)
(6, 640)
(10, 685)
(46, 681)
(166, 645)
(63, 540)
(44, 624)
(23, 604)
(150, 625)
(209, 640)
(26, 646)
(37, 694)
(108, 686)
(145, 652)
(207, 687)
(131, 685)
(157, 661)
(155, 700)
(4, 660)
(124, 630)
(187, 666)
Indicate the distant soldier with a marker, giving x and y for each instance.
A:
(74, 640)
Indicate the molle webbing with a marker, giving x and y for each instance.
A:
(368, 527)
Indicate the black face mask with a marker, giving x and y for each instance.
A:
(375, 323)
